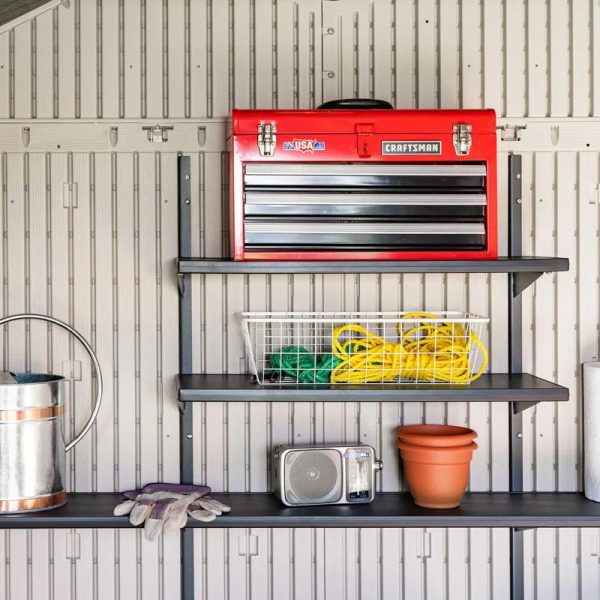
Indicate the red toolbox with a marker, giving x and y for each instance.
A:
(363, 185)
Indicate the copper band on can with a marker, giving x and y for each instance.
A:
(30, 504)
(31, 414)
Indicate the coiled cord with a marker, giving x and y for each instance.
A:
(302, 365)
(431, 351)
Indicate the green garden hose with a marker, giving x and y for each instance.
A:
(304, 366)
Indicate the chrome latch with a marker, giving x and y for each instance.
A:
(157, 134)
(462, 138)
(267, 139)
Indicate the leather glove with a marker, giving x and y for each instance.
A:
(166, 506)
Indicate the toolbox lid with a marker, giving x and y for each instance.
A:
(323, 121)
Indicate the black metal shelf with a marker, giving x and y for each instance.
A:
(81, 510)
(479, 509)
(521, 264)
(494, 509)
(521, 388)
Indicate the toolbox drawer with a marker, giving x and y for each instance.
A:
(336, 206)
(361, 235)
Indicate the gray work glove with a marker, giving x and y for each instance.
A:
(207, 509)
(166, 506)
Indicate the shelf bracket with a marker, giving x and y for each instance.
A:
(183, 406)
(521, 405)
(181, 284)
(522, 280)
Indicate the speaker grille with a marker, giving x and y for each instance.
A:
(313, 476)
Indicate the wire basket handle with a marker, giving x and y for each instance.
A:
(88, 348)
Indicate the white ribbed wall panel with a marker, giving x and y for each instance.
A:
(99, 257)
(337, 564)
(198, 58)
(106, 266)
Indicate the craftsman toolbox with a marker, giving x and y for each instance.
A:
(377, 184)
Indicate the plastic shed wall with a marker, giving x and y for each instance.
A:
(90, 234)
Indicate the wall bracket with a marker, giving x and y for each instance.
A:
(181, 284)
(520, 406)
(522, 280)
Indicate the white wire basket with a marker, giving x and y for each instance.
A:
(294, 348)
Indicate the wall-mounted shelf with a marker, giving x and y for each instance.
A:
(81, 511)
(520, 264)
(494, 509)
(525, 269)
(521, 388)
(479, 509)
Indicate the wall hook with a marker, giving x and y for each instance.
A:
(25, 136)
(201, 136)
(113, 135)
(158, 133)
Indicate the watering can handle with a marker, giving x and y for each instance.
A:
(88, 348)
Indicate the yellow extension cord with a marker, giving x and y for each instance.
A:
(436, 351)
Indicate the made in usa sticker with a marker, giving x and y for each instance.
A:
(304, 145)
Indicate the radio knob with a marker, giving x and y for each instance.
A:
(377, 465)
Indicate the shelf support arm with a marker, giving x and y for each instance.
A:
(522, 280)
(181, 279)
(521, 405)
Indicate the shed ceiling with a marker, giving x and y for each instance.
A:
(13, 9)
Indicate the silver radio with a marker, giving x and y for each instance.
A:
(325, 474)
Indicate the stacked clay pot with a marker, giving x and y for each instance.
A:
(436, 462)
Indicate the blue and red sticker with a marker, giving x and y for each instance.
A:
(304, 145)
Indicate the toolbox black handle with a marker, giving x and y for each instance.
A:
(356, 104)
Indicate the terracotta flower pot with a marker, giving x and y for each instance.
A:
(436, 477)
(440, 436)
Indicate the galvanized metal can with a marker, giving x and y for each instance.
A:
(32, 445)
